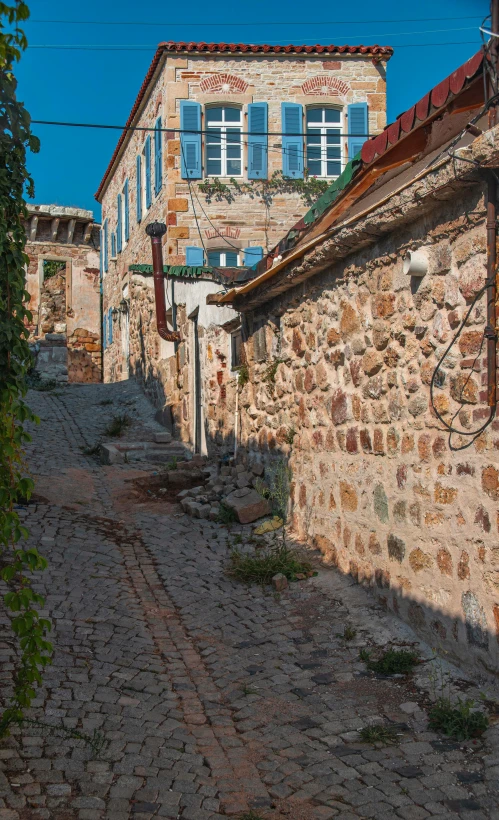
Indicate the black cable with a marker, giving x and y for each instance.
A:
(153, 48)
(252, 24)
(449, 427)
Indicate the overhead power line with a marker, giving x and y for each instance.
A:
(300, 23)
(153, 48)
(210, 131)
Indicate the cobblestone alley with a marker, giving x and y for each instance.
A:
(193, 696)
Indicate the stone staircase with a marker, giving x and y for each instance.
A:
(161, 450)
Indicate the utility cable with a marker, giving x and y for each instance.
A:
(138, 48)
(169, 23)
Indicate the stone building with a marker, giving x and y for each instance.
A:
(63, 282)
(223, 144)
(343, 328)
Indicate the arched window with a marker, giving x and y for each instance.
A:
(324, 143)
(226, 258)
(223, 141)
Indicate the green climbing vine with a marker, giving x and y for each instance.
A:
(310, 188)
(17, 563)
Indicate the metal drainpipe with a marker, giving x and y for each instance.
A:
(491, 329)
(156, 230)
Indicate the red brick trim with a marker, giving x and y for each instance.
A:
(325, 86)
(223, 83)
(231, 233)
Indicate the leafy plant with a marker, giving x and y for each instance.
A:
(310, 188)
(349, 633)
(460, 720)
(394, 662)
(91, 450)
(19, 563)
(378, 734)
(51, 267)
(118, 425)
(36, 382)
(270, 374)
(364, 655)
(260, 568)
(277, 488)
(243, 375)
(226, 515)
(290, 436)
(172, 464)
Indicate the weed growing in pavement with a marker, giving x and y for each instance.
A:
(172, 464)
(36, 382)
(238, 539)
(91, 450)
(226, 515)
(394, 662)
(459, 720)
(277, 488)
(96, 740)
(104, 402)
(250, 815)
(261, 568)
(118, 425)
(364, 655)
(378, 734)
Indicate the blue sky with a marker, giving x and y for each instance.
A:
(100, 86)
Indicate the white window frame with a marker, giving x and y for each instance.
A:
(223, 256)
(223, 126)
(322, 128)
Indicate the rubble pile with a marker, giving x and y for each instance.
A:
(232, 487)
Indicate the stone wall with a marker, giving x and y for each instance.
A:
(66, 323)
(242, 223)
(343, 396)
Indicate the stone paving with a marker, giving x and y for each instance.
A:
(176, 692)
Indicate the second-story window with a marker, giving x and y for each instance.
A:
(323, 142)
(223, 259)
(223, 142)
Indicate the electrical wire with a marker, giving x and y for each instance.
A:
(154, 48)
(253, 24)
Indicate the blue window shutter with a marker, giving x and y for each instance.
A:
(252, 256)
(104, 331)
(113, 245)
(105, 248)
(147, 152)
(358, 125)
(194, 256)
(190, 143)
(158, 157)
(292, 141)
(127, 211)
(138, 186)
(257, 140)
(110, 326)
(119, 229)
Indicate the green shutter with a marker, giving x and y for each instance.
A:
(292, 140)
(139, 188)
(194, 257)
(110, 326)
(358, 127)
(257, 140)
(147, 157)
(105, 248)
(158, 157)
(252, 256)
(190, 140)
(127, 211)
(119, 228)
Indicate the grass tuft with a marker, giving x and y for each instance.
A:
(226, 515)
(118, 425)
(458, 720)
(261, 568)
(250, 815)
(378, 734)
(393, 662)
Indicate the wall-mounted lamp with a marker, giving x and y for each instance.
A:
(115, 312)
(124, 306)
(415, 263)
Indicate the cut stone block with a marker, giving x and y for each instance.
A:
(280, 582)
(162, 438)
(249, 507)
(109, 454)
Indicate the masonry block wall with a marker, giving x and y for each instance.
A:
(378, 485)
(211, 80)
(65, 306)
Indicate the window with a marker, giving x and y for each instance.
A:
(323, 142)
(236, 349)
(147, 173)
(223, 142)
(113, 245)
(223, 259)
(259, 340)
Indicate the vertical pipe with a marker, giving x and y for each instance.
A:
(156, 230)
(490, 330)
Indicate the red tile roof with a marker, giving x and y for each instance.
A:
(248, 48)
(234, 48)
(418, 113)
